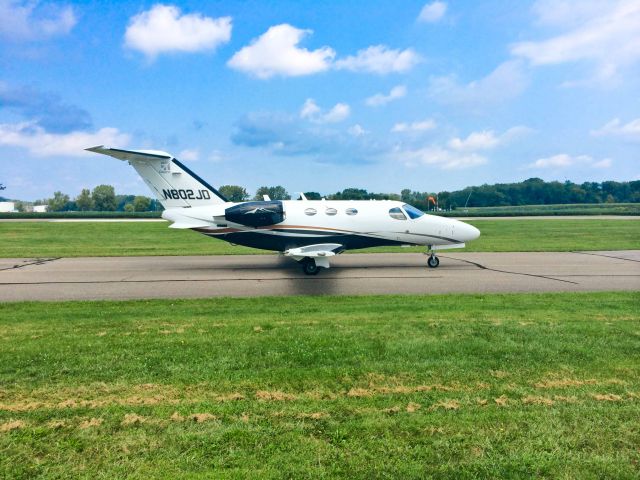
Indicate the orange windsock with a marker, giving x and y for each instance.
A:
(431, 199)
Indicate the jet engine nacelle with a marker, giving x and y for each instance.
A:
(256, 214)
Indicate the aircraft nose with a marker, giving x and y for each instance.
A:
(469, 232)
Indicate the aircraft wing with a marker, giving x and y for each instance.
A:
(319, 252)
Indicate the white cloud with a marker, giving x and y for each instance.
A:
(507, 81)
(41, 143)
(564, 160)
(338, 113)
(486, 139)
(565, 13)
(165, 29)
(312, 112)
(630, 130)
(606, 33)
(439, 157)
(309, 109)
(357, 130)
(29, 20)
(285, 135)
(276, 52)
(458, 153)
(381, 99)
(432, 12)
(475, 141)
(189, 155)
(604, 163)
(420, 126)
(379, 59)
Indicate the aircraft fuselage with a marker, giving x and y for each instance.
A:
(351, 223)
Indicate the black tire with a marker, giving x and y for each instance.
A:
(433, 262)
(309, 266)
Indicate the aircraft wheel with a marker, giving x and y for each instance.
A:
(309, 266)
(433, 261)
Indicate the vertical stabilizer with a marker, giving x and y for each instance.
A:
(173, 184)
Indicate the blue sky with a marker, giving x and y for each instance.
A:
(320, 96)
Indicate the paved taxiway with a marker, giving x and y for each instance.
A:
(351, 274)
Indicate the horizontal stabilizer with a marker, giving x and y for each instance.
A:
(131, 155)
(187, 225)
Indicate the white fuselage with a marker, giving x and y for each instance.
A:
(351, 223)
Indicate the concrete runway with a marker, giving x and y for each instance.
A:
(95, 278)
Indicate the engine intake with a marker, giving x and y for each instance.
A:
(256, 214)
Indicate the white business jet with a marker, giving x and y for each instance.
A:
(309, 231)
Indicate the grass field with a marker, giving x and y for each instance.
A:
(458, 386)
(557, 209)
(43, 239)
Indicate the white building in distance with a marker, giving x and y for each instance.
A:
(7, 207)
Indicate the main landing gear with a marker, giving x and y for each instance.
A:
(309, 266)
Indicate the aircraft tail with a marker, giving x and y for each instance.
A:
(172, 182)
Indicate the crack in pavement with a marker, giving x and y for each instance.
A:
(606, 256)
(313, 279)
(483, 267)
(37, 261)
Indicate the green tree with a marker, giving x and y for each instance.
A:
(234, 193)
(275, 193)
(313, 196)
(141, 203)
(129, 208)
(84, 202)
(59, 202)
(104, 198)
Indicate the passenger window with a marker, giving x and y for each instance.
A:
(330, 211)
(351, 211)
(310, 211)
(397, 214)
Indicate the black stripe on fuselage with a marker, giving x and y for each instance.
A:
(280, 243)
(452, 240)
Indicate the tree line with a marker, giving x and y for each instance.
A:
(101, 199)
(533, 191)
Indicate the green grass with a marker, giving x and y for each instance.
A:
(556, 209)
(44, 239)
(455, 386)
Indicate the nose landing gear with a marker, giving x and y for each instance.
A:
(433, 261)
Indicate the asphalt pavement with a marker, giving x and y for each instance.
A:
(93, 278)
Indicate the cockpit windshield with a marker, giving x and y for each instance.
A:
(412, 211)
